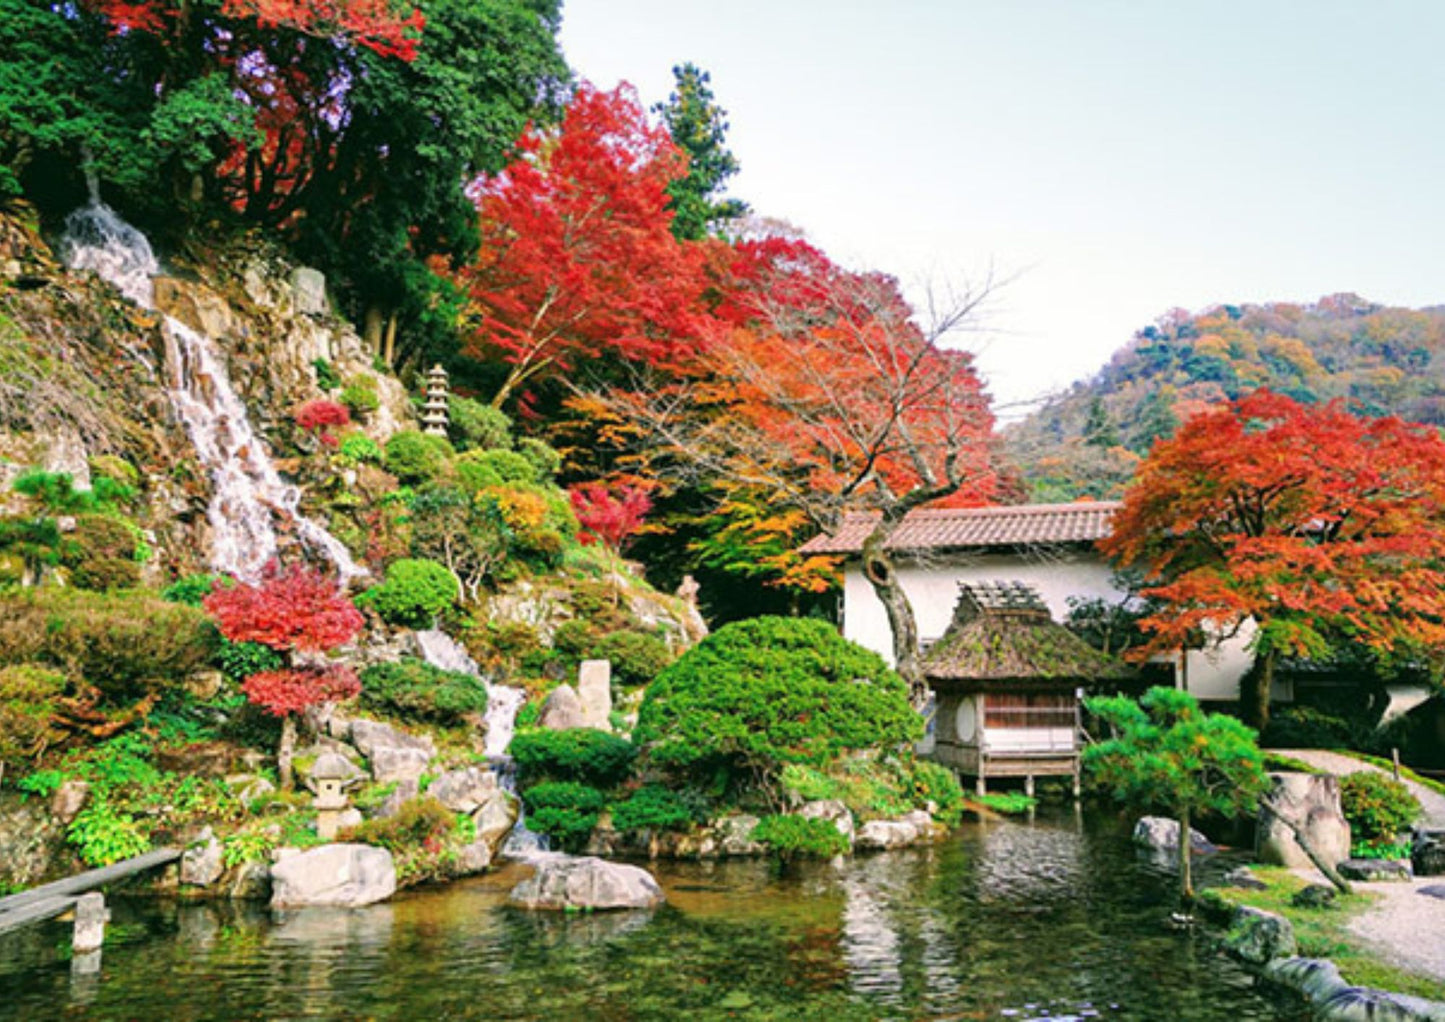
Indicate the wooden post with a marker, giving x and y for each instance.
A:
(1395, 759)
(980, 786)
(90, 919)
(1029, 785)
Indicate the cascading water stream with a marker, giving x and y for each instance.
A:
(248, 497)
(503, 702)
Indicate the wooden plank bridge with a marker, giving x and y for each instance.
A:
(55, 899)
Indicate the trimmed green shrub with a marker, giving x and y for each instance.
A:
(414, 593)
(476, 472)
(478, 426)
(99, 554)
(1304, 727)
(545, 459)
(239, 660)
(797, 836)
(360, 448)
(416, 457)
(126, 644)
(508, 466)
(1378, 808)
(359, 396)
(652, 807)
(27, 708)
(192, 589)
(760, 693)
(565, 811)
(636, 657)
(577, 754)
(417, 691)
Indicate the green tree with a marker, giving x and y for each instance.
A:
(1157, 420)
(1099, 429)
(1165, 753)
(699, 127)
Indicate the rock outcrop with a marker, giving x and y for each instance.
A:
(562, 710)
(1312, 803)
(394, 755)
(341, 875)
(587, 883)
(594, 693)
(1161, 834)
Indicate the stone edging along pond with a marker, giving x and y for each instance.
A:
(1266, 942)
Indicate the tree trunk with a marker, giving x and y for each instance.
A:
(1254, 689)
(1186, 870)
(388, 351)
(878, 569)
(372, 327)
(286, 752)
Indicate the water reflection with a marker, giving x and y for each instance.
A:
(1043, 920)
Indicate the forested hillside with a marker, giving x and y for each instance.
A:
(1379, 360)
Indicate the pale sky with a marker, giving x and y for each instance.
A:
(1123, 156)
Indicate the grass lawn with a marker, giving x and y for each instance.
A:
(1322, 933)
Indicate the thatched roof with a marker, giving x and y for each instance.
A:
(1002, 633)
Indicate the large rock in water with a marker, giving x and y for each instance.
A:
(202, 863)
(344, 876)
(1161, 834)
(562, 711)
(909, 829)
(1312, 803)
(587, 883)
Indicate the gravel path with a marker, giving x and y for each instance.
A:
(1432, 802)
(1403, 926)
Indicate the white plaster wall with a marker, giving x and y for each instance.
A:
(933, 589)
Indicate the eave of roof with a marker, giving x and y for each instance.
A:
(1083, 522)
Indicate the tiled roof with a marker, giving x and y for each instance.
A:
(1022, 525)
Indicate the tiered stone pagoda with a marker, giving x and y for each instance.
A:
(434, 415)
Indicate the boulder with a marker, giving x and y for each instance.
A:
(735, 835)
(392, 764)
(1428, 853)
(394, 754)
(248, 787)
(252, 882)
(1258, 936)
(68, 800)
(473, 858)
(205, 685)
(1312, 803)
(1334, 1000)
(587, 883)
(1242, 878)
(495, 818)
(1377, 870)
(201, 863)
(1161, 834)
(403, 793)
(834, 812)
(1314, 896)
(562, 711)
(342, 875)
(465, 790)
(594, 692)
(308, 291)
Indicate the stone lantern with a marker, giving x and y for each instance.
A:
(331, 776)
(434, 415)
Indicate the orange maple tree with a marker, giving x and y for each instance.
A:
(1306, 522)
(578, 259)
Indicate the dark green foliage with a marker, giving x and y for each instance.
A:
(465, 532)
(327, 378)
(938, 785)
(35, 541)
(545, 459)
(239, 660)
(416, 821)
(192, 589)
(595, 757)
(1379, 808)
(416, 691)
(652, 807)
(761, 693)
(699, 128)
(565, 811)
(416, 457)
(508, 467)
(792, 837)
(126, 644)
(414, 593)
(636, 657)
(1304, 727)
(477, 426)
(1099, 429)
(476, 472)
(56, 492)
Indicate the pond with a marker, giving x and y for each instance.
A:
(1055, 919)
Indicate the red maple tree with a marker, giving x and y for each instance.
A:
(609, 516)
(578, 258)
(295, 610)
(316, 417)
(1306, 524)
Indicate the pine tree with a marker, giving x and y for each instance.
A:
(698, 127)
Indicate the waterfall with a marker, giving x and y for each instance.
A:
(503, 702)
(248, 495)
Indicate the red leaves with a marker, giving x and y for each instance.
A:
(297, 609)
(607, 517)
(316, 416)
(295, 689)
(578, 259)
(1281, 512)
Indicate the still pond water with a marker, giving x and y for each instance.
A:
(1050, 920)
